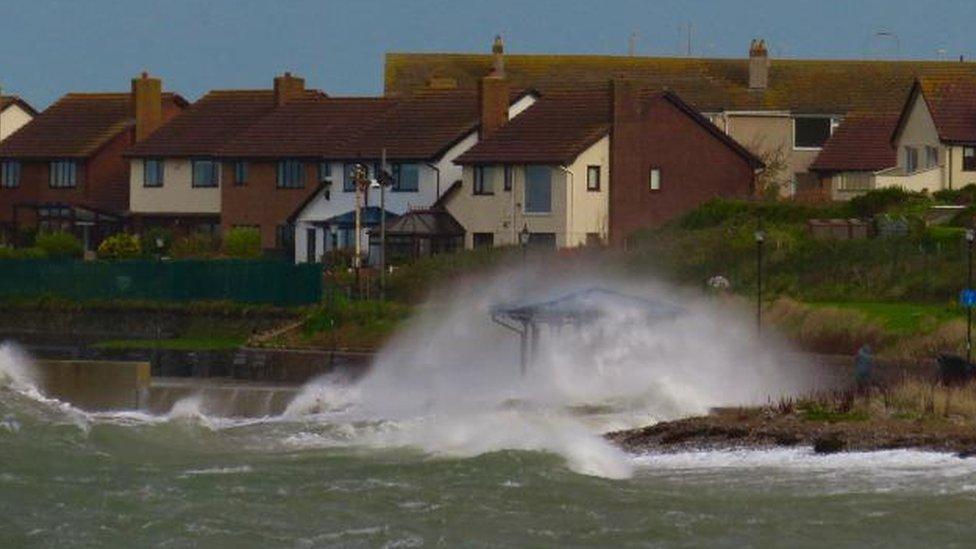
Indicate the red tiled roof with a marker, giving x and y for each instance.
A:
(556, 128)
(209, 124)
(314, 128)
(561, 125)
(862, 142)
(952, 103)
(75, 126)
(421, 127)
(709, 85)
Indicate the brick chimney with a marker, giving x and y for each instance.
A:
(758, 65)
(625, 100)
(147, 104)
(287, 88)
(493, 94)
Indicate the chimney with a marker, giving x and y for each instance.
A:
(758, 65)
(287, 88)
(147, 104)
(498, 57)
(493, 94)
(625, 100)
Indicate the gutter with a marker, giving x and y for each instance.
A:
(569, 200)
(438, 170)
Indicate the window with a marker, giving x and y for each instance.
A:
(856, 181)
(593, 178)
(911, 159)
(64, 174)
(152, 173)
(483, 240)
(406, 178)
(810, 132)
(538, 189)
(482, 181)
(542, 241)
(325, 172)
(969, 159)
(284, 237)
(654, 179)
(509, 176)
(931, 157)
(291, 174)
(10, 174)
(205, 173)
(240, 173)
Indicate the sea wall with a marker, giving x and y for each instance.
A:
(94, 384)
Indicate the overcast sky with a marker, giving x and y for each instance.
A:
(48, 47)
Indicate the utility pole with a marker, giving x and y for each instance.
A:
(361, 182)
(760, 240)
(383, 178)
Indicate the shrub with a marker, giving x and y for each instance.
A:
(195, 246)
(243, 243)
(120, 246)
(59, 244)
(879, 201)
(152, 237)
(22, 253)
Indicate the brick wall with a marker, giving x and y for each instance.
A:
(260, 202)
(695, 165)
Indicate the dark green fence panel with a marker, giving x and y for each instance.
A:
(257, 281)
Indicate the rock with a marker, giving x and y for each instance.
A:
(829, 444)
(968, 453)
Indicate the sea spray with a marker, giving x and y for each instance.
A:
(449, 383)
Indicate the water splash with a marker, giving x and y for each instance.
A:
(449, 383)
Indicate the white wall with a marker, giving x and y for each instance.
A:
(575, 211)
(177, 194)
(11, 119)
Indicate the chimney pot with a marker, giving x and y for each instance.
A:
(498, 57)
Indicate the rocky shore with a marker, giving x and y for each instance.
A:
(759, 428)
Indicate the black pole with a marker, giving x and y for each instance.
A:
(969, 308)
(759, 283)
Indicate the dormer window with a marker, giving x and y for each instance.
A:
(811, 132)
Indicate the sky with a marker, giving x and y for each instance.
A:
(48, 47)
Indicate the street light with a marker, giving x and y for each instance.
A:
(970, 237)
(760, 235)
(523, 237)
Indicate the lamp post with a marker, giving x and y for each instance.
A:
(523, 237)
(383, 180)
(760, 240)
(970, 237)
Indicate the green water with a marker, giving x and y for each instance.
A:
(68, 479)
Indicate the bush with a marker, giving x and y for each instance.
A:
(720, 211)
(195, 246)
(22, 253)
(879, 201)
(120, 246)
(243, 243)
(59, 244)
(150, 239)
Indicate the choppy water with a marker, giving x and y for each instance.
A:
(445, 444)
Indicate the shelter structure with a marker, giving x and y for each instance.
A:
(575, 309)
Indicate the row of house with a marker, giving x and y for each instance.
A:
(572, 150)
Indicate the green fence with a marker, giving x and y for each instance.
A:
(275, 282)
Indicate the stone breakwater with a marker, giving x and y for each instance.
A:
(761, 429)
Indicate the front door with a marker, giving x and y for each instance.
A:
(311, 249)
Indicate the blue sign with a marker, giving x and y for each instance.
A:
(967, 298)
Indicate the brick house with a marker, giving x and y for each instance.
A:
(175, 175)
(299, 191)
(782, 109)
(65, 169)
(594, 166)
